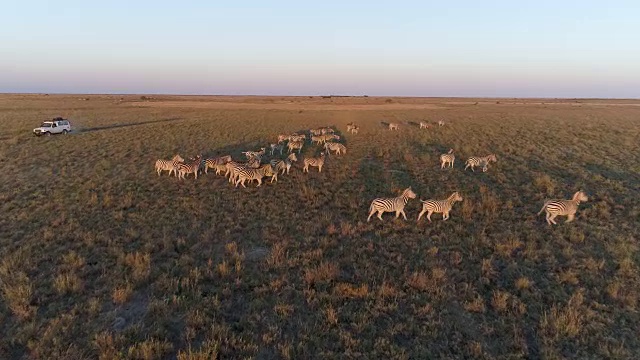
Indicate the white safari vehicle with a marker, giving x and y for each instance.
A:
(55, 126)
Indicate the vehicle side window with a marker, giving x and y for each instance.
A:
(54, 125)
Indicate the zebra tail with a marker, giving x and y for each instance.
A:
(542, 210)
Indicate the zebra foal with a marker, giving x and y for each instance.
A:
(447, 158)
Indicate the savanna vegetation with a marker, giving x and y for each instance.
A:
(101, 258)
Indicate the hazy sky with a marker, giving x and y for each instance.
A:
(418, 48)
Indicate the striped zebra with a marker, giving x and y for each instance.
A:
(441, 123)
(317, 139)
(315, 132)
(282, 138)
(354, 129)
(329, 137)
(397, 204)
(337, 147)
(168, 165)
(394, 126)
(447, 158)
(232, 168)
(424, 125)
(317, 162)
(327, 130)
(283, 165)
(480, 161)
(566, 208)
(350, 126)
(253, 163)
(216, 163)
(439, 206)
(253, 174)
(190, 168)
(276, 147)
(254, 154)
(295, 145)
(296, 137)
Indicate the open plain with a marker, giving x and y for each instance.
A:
(102, 258)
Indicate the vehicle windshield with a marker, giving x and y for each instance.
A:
(45, 125)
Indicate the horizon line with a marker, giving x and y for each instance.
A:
(329, 95)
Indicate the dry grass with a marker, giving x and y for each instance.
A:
(101, 258)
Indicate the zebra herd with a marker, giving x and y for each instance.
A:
(553, 208)
(239, 173)
(253, 169)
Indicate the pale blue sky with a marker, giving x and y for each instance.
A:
(404, 48)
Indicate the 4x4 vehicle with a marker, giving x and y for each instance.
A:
(56, 126)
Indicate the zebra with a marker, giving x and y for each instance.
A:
(329, 137)
(424, 125)
(253, 163)
(337, 147)
(439, 206)
(354, 129)
(393, 126)
(317, 162)
(284, 165)
(282, 138)
(447, 158)
(350, 126)
(295, 145)
(232, 168)
(296, 137)
(168, 165)
(254, 154)
(567, 208)
(327, 130)
(397, 204)
(478, 161)
(441, 123)
(253, 174)
(315, 132)
(216, 163)
(275, 147)
(190, 168)
(317, 139)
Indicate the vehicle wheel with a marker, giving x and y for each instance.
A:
(48, 133)
(64, 132)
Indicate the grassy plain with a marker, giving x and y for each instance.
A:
(101, 258)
